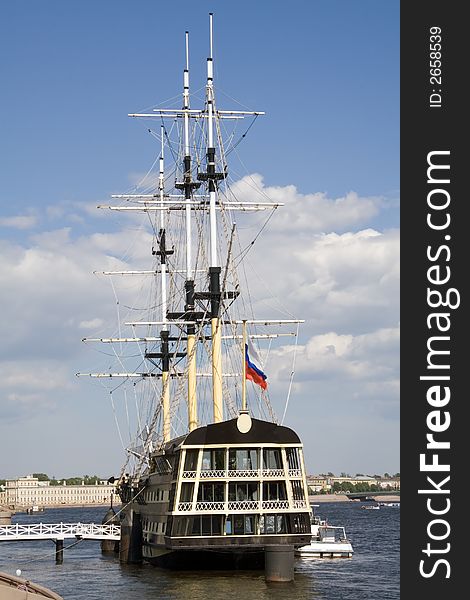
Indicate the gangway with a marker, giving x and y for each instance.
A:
(42, 531)
(58, 532)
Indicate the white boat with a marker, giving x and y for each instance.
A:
(374, 507)
(34, 509)
(328, 541)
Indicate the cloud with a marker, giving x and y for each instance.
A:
(306, 213)
(317, 260)
(41, 376)
(145, 183)
(19, 222)
(28, 391)
(343, 282)
(92, 324)
(368, 357)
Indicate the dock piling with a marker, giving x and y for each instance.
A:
(59, 551)
(279, 563)
(130, 547)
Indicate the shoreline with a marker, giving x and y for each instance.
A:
(21, 509)
(377, 497)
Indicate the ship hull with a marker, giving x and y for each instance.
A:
(213, 560)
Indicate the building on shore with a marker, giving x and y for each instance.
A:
(389, 484)
(326, 483)
(318, 483)
(28, 491)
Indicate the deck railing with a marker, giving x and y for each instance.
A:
(242, 474)
(240, 505)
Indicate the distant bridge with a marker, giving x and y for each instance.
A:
(59, 531)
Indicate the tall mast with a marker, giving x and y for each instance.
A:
(187, 161)
(189, 285)
(164, 354)
(214, 269)
(211, 151)
(161, 189)
(164, 333)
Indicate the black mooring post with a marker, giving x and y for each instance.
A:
(279, 563)
(59, 551)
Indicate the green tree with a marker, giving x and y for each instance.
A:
(74, 481)
(93, 480)
(41, 476)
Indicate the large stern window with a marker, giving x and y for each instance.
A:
(243, 459)
(272, 458)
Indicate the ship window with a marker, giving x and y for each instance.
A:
(297, 490)
(194, 525)
(179, 526)
(238, 524)
(201, 525)
(300, 523)
(249, 524)
(243, 459)
(241, 524)
(217, 524)
(213, 459)
(242, 491)
(273, 524)
(293, 458)
(211, 492)
(206, 522)
(190, 461)
(186, 494)
(274, 490)
(272, 458)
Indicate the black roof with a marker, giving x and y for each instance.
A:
(227, 433)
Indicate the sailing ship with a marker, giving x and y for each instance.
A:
(213, 478)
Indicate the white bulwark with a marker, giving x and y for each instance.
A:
(26, 492)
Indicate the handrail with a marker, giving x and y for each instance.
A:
(59, 530)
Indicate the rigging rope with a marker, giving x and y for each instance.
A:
(291, 375)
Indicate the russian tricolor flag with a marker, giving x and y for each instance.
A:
(253, 371)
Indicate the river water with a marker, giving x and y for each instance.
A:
(86, 574)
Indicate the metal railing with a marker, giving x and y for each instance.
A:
(42, 531)
(242, 473)
(236, 505)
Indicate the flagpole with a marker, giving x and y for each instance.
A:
(244, 367)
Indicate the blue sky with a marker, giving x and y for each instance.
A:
(327, 75)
